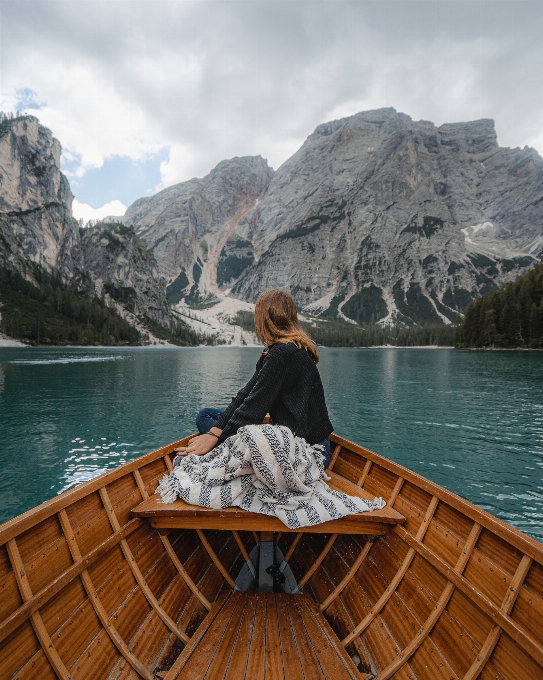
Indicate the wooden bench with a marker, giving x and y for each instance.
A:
(181, 515)
(267, 636)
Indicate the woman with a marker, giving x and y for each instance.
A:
(286, 384)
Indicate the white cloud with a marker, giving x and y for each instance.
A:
(182, 164)
(213, 80)
(83, 211)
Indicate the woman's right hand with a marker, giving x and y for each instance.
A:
(199, 445)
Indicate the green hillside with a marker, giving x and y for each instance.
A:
(509, 317)
(46, 311)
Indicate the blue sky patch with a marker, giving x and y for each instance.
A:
(27, 99)
(119, 178)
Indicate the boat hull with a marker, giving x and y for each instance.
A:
(90, 591)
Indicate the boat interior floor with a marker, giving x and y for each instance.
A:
(264, 635)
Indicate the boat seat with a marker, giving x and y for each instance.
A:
(264, 635)
(181, 515)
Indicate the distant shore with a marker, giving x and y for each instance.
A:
(10, 342)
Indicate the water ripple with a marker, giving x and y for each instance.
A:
(470, 421)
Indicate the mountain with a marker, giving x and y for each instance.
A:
(509, 317)
(120, 265)
(36, 223)
(380, 217)
(40, 239)
(377, 218)
(191, 227)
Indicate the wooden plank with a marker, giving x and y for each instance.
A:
(292, 663)
(365, 473)
(515, 631)
(317, 563)
(494, 635)
(34, 516)
(171, 552)
(395, 491)
(153, 508)
(346, 579)
(222, 653)
(333, 458)
(37, 666)
(241, 547)
(274, 669)
(396, 580)
(131, 560)
(258, 643)
(516, 538)
(292, 548)
(244, 553)
(332, 655)
(237, 662)
(41, 598)
(216, 609)
(207, 639)
(306, 651)
(262, 522)
(215, 559)
(98, 607)
(36, 620)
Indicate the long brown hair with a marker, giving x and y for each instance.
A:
(276, 320)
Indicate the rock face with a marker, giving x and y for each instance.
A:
(120, 265)
(378, 217)
(36, 223)
(37, 227)
(191, 227)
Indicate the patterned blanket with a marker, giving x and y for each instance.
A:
(265, 469)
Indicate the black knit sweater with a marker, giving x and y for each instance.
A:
(287, 385)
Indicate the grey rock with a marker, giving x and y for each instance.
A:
(188, 225)
(36, 223)
(120, 265)
(380, 217)
(37, 227)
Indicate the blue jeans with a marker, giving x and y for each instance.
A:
(208, 417)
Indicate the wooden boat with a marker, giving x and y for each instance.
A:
(103, 582)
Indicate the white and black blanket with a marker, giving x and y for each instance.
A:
(265, 469)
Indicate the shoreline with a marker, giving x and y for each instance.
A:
(6, 342)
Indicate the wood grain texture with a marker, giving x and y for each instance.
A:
(348, 576)
(515, 538)
(317, 563)
(37, 623)
(182, 515)
(168, 547)
(88, 591)
(131, 560)
(333, 458)
(494, 635)
(98, 607)
(438, 610)
(216, 561)
(375, 610)
(261, 636)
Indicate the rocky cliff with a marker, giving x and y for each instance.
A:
(36, 223)
(191, 227)
(376, 218)
(37, 228)
(121, 266)
(379, 217)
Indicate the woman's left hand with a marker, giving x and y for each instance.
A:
(198, 446)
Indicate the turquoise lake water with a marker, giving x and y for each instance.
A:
(470, 421)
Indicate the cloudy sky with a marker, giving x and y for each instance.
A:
(144, 94)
